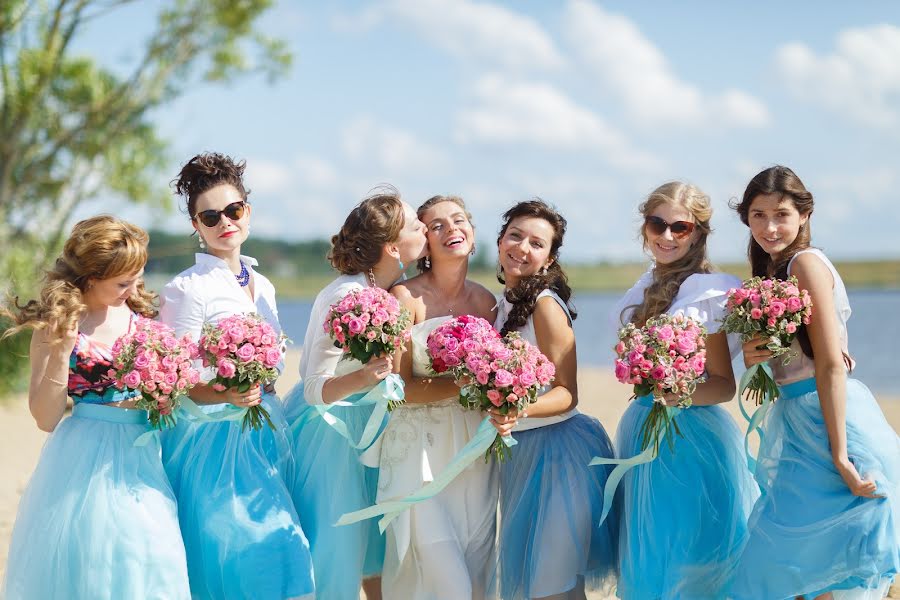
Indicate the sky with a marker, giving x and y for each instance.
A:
(589, 105)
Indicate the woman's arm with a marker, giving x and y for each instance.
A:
(48, 386)
(556, 339)
(814, 276)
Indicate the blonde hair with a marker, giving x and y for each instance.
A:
(667, 278)
(101, 247)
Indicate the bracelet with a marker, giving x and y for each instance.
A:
(56, 381)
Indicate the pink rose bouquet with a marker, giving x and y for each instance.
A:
(368, 322)
(245, 350)
(153, 361)
(774, 310)
(494, 373)
(665, 356)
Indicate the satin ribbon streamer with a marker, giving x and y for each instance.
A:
(389, 389)
(189, 411)
(391, 509)
(623, 465)
(754, 423)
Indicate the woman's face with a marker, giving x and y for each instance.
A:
(114, 291)
(774, 222)
(666, 245)
(411, 243)
(226, 234)
(524, 248)
(449, 232)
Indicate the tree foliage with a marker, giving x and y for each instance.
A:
(72, 128)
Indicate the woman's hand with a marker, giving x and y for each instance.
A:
(671, 399)
(504, 423)
(62, 346)
(377, 369)
(755, 352)
(859, 486)
(251, 397)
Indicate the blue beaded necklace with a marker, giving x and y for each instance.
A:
(243, 278)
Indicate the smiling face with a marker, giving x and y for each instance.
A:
(450, 234)
(666, 247)
(226, 235)
(524, 249)
(412, 243)
(774, 222)
(114, 291)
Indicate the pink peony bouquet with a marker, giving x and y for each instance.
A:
(244, 349)
(153, 361)
(505, 374)
(368, 322)
(665, 356)
(774, 310)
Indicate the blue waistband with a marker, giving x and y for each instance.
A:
(798, 388)
(645, 400)
(112, 414)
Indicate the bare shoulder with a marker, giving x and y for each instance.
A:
(409, 294)
(549, 308)
(482, 299)
(811, 270)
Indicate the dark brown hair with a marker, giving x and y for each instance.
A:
(422, 264)
(206, 171)
(667, 278)
(523, 297)
(783, 181)
(374, 222)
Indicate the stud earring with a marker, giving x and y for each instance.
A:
(472, 251)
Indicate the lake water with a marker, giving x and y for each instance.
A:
(874, 333)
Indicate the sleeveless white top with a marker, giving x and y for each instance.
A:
(527, 333)
(801, 366)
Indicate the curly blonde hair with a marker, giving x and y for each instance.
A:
(101, 247)
(667, 278)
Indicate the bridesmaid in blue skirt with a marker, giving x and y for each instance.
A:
(827, 524)
(241, 530)
(684, 516)
(380, 235)
(550, 499)
(98, 519)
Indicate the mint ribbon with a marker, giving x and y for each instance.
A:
(389, 389)
(623, 465)
(391, 509)
(754, 423)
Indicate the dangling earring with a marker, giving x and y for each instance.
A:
(400, 262)
(202, 242)
(427, 262)
(472, 251)
(544, 270)
(500, 273)
(372, 278)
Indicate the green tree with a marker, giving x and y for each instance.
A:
(72, 129)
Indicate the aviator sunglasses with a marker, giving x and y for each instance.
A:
(679, 229)
(233, 211)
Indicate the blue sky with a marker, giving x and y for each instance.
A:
(589, 105)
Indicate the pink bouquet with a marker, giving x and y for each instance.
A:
(665, 356)
(244, 349)
(153, 361)
(368, 322)
(774, 310)
(494, 373)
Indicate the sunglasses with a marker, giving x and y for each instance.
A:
(679, 229)
(233, 211)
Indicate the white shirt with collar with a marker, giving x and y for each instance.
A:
(209, 292)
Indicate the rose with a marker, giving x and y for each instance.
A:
(246, 352)
(794, 304)
(132, 379)
(791, 327)
(495, 397)
(503, 378)
(755, 314)
(227, 369)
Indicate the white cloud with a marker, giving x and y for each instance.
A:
(478, 31)
(629, 65)
(510, 112)
(861, 78)
(396, 150)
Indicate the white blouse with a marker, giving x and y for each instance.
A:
(321, 360)
(208, 291)
(527, 333)
(702, 296)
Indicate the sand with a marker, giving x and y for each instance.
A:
(21, 441)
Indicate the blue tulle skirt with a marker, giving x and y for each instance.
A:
(808, 533)
(684, 515)
(98, 518)
(550, 506)
(330, 480)
(241, 530)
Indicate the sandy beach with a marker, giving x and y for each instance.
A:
(21, 441)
